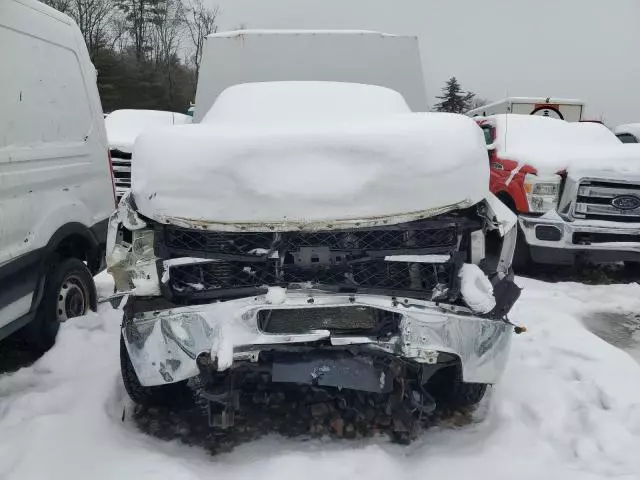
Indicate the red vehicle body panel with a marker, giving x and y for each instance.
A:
(507, 176)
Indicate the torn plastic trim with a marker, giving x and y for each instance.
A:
(132, 264)
(128, 214)
(504, 219)
(163, 345)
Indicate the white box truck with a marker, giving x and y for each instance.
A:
(561, 109)
(371, 58)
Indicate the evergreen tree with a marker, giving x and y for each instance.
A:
(454, 99)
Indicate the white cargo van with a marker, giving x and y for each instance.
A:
(56, 189)
(351, 56)
(561, 109)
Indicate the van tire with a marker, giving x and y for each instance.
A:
(69, 291)
(172, 395)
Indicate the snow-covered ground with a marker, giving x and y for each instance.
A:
(567, 408)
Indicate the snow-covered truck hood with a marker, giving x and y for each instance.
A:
(618, 162)
(580, 149)
(387, 169)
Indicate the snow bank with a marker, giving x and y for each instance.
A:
(551, 145)
(123, 126)
(360, 167)
(567, 408)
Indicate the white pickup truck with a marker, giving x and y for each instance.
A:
(319, 234)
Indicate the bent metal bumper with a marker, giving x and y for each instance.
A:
(163, 345)
(552, 239)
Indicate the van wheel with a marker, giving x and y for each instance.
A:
(69, 292)
(171, 395)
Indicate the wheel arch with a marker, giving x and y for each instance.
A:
(506, 198)
(72, 240)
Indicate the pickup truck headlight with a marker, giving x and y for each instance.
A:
(543, 193)
(133, 265)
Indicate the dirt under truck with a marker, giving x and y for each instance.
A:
(314, 234)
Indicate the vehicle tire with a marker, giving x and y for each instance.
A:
(632, 267)
(522, 261)
(451, 393)
(172, 395)
(69, 292)
(465, 395)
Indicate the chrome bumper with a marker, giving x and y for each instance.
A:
(163, 346)
(620, 249)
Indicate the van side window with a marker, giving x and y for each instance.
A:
(627, 138)
(44, 99)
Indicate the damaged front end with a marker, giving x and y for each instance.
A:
(373, 309)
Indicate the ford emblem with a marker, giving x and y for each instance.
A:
(626, 202)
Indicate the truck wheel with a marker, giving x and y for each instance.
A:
(171, 395)
(465, 395)
(522, 256)
(451, 393)
(69, 292)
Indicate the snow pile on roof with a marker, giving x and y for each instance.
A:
(290, 103)
(551, 145)
(568, 407)
(337, 165)
(123, 126)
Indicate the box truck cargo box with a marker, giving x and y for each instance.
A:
(561, 109)
(372, 58)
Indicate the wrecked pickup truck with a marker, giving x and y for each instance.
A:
(329, 242)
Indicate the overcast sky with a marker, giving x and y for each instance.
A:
(587, 49)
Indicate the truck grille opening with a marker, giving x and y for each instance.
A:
(348, 261)
(363, 320)
(121, 164)
(609, 201)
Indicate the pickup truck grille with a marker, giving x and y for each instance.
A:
(240, 264)
(610, 201)
(121, 164)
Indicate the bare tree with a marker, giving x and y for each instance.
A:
(200, 21)
(477, 102)
(167, 30)
(62, 5)
(117, 31)
(93, 18)
(167, 33)
(140, 16)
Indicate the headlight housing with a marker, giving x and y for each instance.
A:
(133, 264)
(543, 193)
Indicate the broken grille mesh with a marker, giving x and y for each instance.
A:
(245, 243)
(346, 259)
(343, 319)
